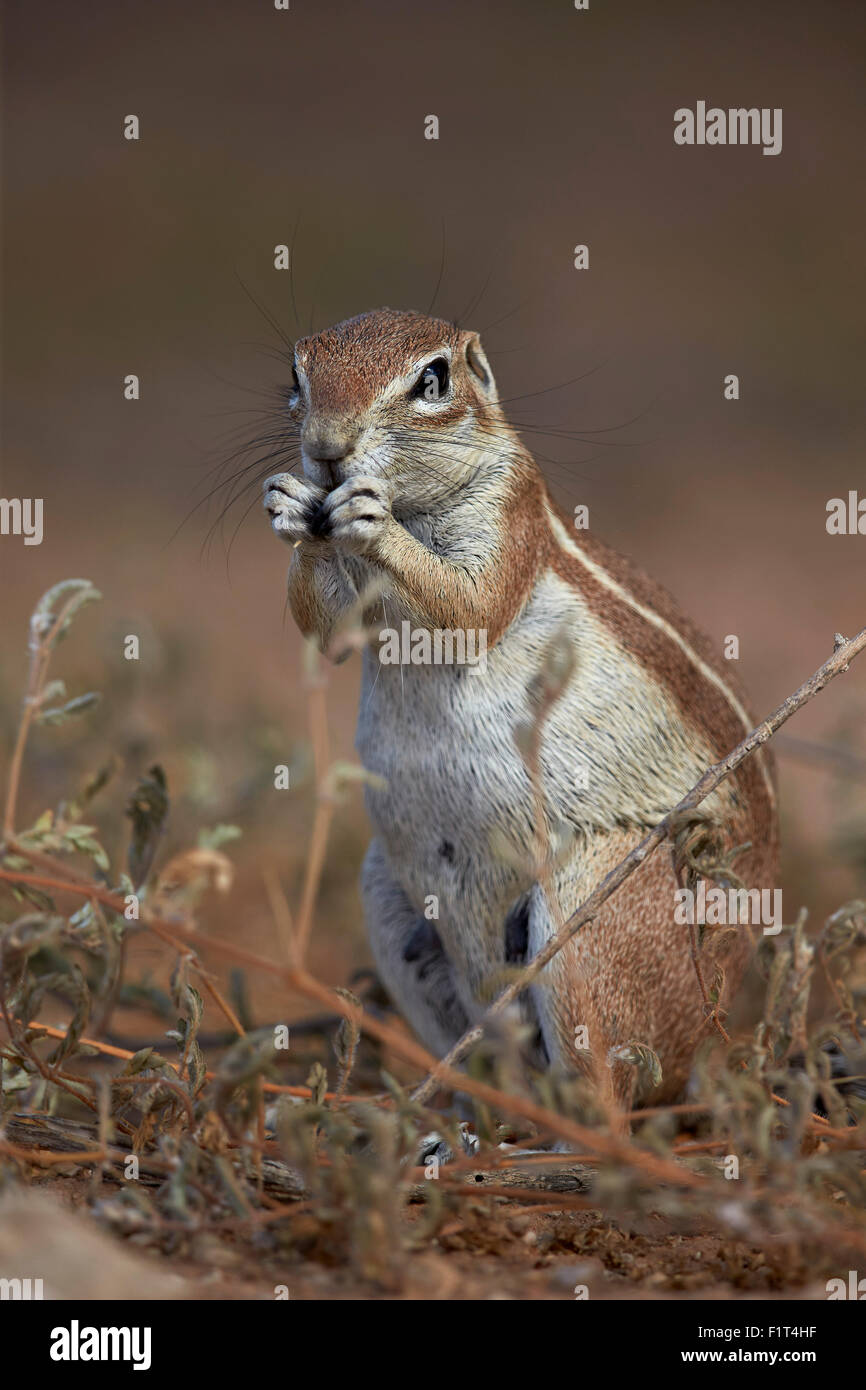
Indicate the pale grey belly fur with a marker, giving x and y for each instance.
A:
(456, 819)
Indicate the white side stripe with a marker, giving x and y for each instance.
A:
(568, 543)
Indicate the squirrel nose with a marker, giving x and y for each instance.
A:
(328, 448)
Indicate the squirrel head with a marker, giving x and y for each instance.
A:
(398, 396)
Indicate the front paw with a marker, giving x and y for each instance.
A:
(292, 504)
(356, 515)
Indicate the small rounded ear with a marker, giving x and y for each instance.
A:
(478, 365)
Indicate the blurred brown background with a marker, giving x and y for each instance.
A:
(556, 127)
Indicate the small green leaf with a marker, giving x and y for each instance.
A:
(218, 835)
(70, 710)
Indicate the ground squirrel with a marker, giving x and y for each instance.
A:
(415, 484)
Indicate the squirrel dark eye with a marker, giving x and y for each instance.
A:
(433, 381)
(296, 385)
